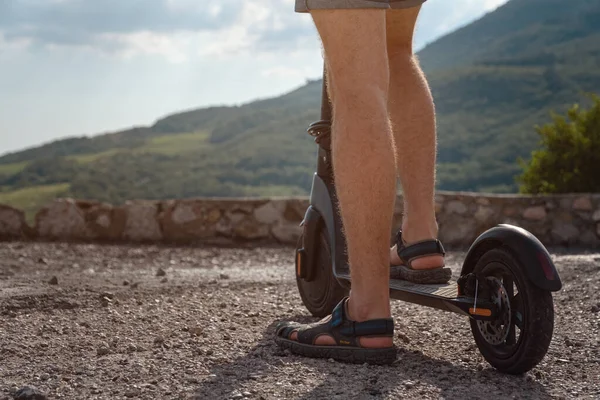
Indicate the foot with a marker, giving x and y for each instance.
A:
(355, 315)
(422, 263)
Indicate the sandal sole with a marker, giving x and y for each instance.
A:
(425, 276)
(354, 355)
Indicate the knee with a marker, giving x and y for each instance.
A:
(368, 97)
(402, 57)
(367, 88)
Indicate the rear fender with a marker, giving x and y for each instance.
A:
(530, 252)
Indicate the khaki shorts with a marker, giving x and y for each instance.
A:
(307, 5)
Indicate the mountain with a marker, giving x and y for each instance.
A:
(492, 80)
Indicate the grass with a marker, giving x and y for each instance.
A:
(88, 158)
(33, 198)
(167, 144)
(11, 169)
(176, 144)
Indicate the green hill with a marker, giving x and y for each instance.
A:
(493, 80)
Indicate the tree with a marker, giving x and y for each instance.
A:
(569, 158)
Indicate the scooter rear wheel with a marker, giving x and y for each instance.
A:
(323, 292)
(519, 338)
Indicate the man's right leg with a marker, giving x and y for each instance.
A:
(363, 157)
(413, 119)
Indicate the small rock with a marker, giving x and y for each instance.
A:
(596, 308)
(102, 350)
(108, 295)
(125, 283)
(164, 280)
(224, 276)
(132, 393)
(29, 393)
(159, 340)
(237, 395)
(404, 338)
(42, 261)
(196, 331)
(53, 280)
(247, 394)
(409, 384)
(161, 272)
(132, 347)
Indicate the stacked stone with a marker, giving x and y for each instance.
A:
(572, 220)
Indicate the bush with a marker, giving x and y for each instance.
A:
(569, 157)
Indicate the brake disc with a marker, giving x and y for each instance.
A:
(495, 332)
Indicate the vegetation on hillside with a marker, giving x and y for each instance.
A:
(568, 159)
(492, 81)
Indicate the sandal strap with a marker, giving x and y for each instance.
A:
(423, 248)
(344, 331)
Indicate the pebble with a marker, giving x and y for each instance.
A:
(29, 393)
(196, 331)
(102, 350)
(404, 338)
(161, 272)
(53, 281)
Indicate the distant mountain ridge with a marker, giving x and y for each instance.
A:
(492, 80)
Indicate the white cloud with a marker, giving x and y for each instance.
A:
(178, 29)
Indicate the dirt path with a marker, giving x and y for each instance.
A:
(112, 329)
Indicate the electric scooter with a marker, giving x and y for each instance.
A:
(505, 285)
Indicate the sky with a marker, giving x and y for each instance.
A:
(84, 67)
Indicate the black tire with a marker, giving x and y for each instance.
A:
(536, 317)
(324, 292)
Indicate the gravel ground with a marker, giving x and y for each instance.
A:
(154, 322)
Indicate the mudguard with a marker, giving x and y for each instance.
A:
(319, 213)
(527, 249)
(305, 261)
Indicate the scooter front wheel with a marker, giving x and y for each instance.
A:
(519, 338)
(323, 292)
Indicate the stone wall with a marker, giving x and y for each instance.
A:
(556, 220)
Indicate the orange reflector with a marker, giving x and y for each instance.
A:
(484, 312)
(299, 263)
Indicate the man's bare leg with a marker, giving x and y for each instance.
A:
(363, 157)
(413, 120)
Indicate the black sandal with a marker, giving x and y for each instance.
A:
(408, 253)
(346, 334)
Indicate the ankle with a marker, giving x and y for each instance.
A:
(414, 231)
(359, 310)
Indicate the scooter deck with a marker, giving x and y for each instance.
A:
(448, 291)
(441, 296)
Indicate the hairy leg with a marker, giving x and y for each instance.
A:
(363, 157)
(413, 120)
